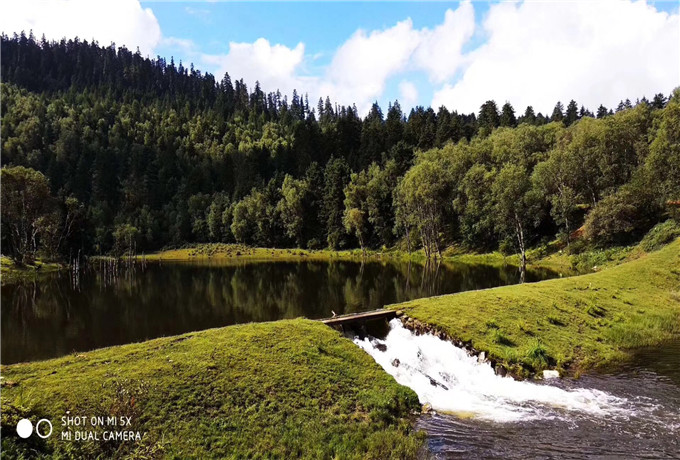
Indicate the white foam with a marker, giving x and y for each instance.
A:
(444, 376)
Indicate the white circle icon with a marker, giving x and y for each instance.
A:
(24, 428)
(43, 420)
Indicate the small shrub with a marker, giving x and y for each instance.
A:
(660, 235)
(314, 244)
(524, 327)
(537, 355)
(578, 246)
(501, 339)
(622, 216)
(506, 247)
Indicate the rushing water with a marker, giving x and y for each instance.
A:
(115, 305)
(634, 413)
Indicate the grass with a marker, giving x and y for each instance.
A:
(570, 323)
(237, 252)
(660, 235)
(287, 389)
(11, 273)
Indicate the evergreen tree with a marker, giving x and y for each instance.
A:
(529, 116)
(572, 113)
(507, 117)
(488, 116)
(336, 178)
(602, 111)
(659, 101)
(558, 112)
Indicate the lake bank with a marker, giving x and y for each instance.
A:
(541, 258)
(11, 273)
(572, 323)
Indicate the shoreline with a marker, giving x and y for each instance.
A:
(559, 263)
(12, 274)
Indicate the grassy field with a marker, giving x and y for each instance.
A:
(571, 323)
(12, 273)
(278, 390)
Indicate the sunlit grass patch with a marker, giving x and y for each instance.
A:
(286, 389)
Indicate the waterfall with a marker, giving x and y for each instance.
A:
(453, 382)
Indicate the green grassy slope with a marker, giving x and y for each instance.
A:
(285, 389)
(572, 323)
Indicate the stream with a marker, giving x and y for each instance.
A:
(633, 413)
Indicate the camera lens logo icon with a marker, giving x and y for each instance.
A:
(25, 428)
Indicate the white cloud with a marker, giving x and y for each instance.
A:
(594, 52)
(123, 22)
(408, 94)
(274, 66)
(361, 66)
(440, 50)
(357, 72)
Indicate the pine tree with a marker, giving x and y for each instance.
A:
(488, 116)
(336, 178)
(572, 113)
(659, 101)
(558, 112)
(394, 125)
(602, 111)
(508, 116)
(529, 116)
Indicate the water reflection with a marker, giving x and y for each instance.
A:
(132, 302)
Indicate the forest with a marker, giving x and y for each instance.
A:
(104, 151)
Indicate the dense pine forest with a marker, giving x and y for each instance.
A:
(105, 151)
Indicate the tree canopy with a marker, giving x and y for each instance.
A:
(118, 152)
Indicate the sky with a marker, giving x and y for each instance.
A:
(456, 54)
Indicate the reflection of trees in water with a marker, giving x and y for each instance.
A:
(28, 309)
(50, 318)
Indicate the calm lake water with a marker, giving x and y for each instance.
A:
(54, 317)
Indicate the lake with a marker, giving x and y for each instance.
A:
(57, 316)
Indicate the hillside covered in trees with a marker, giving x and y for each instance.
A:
(114, 151)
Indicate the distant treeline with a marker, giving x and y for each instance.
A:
(133, 152)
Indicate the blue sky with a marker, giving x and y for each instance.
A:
(322, 26)
(422, 53)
